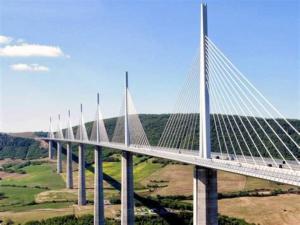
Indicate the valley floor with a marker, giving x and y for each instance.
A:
(40, 193)
(274, 210)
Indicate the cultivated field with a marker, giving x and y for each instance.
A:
(41, 193)
(273, 210)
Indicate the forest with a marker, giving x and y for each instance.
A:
(154, 124)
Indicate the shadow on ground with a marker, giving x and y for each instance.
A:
(152, 204)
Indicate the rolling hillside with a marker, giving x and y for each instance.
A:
(18, 147)
(40, 192)
(21, 148)
(154, 125)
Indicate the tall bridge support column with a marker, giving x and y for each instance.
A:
(205, 194)
(59, 161)
(81, 176)
(98, 189)
(69, 166)
(127, 200)
(50, 151)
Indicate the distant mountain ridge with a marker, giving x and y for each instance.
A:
(154, 125)
(17, 146)
(20, 147)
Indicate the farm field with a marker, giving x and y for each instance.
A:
(20, 191)
(42, 190)
(275, 210)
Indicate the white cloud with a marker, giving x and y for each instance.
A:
(29, 67)
(5, 39)
(27, 50)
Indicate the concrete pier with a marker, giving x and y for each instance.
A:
(59, 161)
(205, 195)
(127, 200)
(50, 151)
(98, 189)
(81, 176)
(69, 167)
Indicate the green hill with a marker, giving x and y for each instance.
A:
(154, 125)
(20, 148)
(24, 148)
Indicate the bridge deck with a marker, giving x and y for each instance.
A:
(258, 170)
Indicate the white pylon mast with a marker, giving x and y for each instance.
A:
(204, 134)
(81, 123)
(70, 129)
(50, 129)
(60, 133)
(126, 130)
(98, 119)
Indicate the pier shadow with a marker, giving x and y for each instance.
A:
(161, 211)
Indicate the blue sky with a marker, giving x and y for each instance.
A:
(87, 45)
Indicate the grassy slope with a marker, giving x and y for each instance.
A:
(37, 175)
(179, 181)
(44, 175)
(275, 210)
(140, 172)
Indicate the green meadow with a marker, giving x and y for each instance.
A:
(20, 192)
(141, 171)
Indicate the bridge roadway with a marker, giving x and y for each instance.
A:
(259, 170)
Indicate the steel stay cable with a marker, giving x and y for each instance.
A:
(230, 66)
(262, 117)
(246, 116)
(214, 96)
(182, 105)
(170, 121)
(253, 142)
(238, 126)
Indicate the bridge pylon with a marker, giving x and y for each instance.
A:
(59, 147)
(204, 134)
(50, 143)
(98, 175)
(127, 188)
(81, 166)
(205, 201)
(69, 169)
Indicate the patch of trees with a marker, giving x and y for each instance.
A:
(24, 186)
(249, 193)
(155, 184)
(159, 181)
(160, 202)
(165, 162)
(2, 195)
(112, 159)
(226, 220)
(20, 148)
(267, 125)
(154, 124)
(258, 193)
(33, 202)
(16, 167)
(183, 218)
(64, 220)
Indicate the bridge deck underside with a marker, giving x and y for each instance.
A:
(233, 165)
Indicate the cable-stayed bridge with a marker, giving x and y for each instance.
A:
(220, 122)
